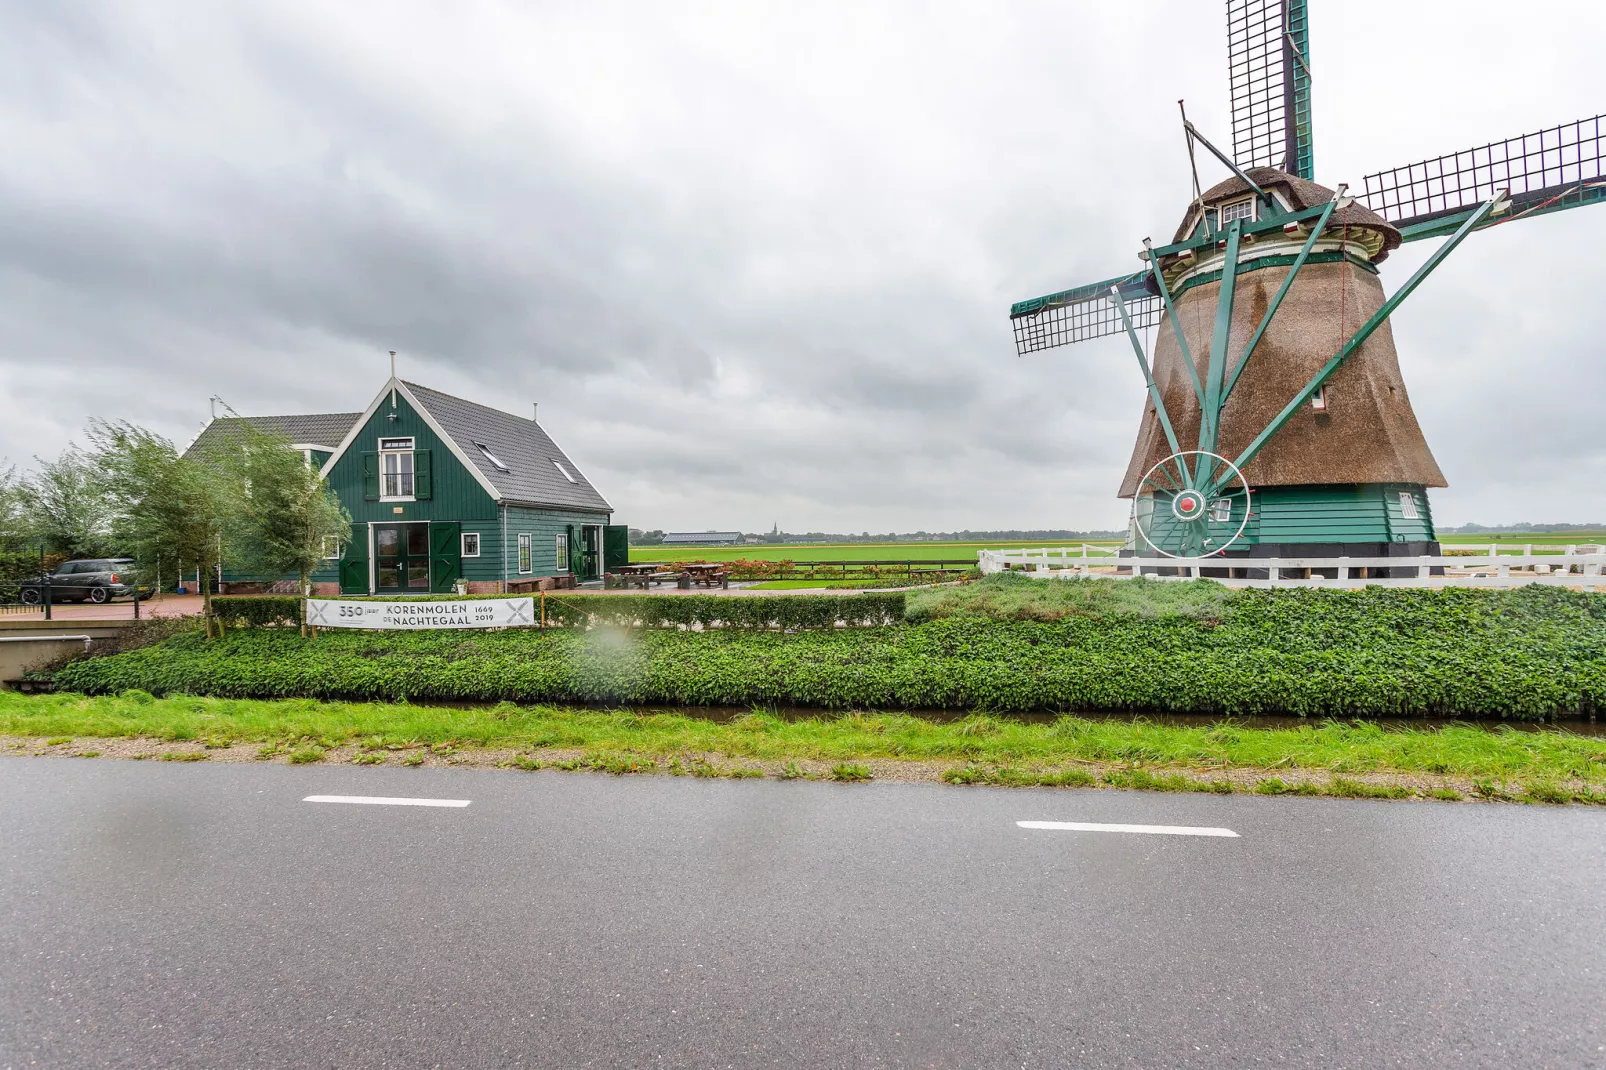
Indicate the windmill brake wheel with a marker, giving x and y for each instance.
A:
(1184, 519)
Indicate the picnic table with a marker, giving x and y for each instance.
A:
(709, 575)
(636, 574)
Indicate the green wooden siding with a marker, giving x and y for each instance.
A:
(543, 526)
(1321, 513)
(454, 493)
(1364, 512)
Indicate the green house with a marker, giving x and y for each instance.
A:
(444, 491)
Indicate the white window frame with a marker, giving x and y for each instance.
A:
(1408, 509)
(1223, 218)
(1221, 510)
(411, 473)
(1318, 400)
(496, 462)
(329, 540)
(561, 551)
(463, 544)
(526, 554)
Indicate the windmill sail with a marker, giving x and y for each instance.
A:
(1268, 65)
(1547, 171)
(1084, 312)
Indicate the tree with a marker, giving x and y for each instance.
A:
(168, 510)
(66, 507)
(287, 518)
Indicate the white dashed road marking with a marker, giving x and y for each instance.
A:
(1152, 830)
(379, 800)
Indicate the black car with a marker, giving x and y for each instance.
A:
(96, 580)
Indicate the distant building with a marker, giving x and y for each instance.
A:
(702, 538)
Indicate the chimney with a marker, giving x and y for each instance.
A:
(535, 411)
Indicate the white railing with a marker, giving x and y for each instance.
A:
(1570, 566)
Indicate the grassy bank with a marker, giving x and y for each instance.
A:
(1330, 758)
(1185, 648)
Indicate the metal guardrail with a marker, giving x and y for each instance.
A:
(1571, 566)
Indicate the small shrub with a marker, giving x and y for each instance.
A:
(137, 696)
(791, 771)
(307, 754)
(413, 760)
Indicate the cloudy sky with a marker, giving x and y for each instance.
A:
(753, 260)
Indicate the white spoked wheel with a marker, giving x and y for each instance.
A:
(1199, 505)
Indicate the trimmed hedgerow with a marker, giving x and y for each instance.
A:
(1531, 653)
(257, 610)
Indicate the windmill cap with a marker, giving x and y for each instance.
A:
(1300, 193)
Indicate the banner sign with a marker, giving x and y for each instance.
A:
(416, 616)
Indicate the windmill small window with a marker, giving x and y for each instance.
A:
(1318, 400)
(1244, 209)
(1408, 506)
(1221, 510)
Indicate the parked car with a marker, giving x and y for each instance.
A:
(96, 580)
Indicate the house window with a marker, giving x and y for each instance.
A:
(566, 473)
(1244, 209)
(1318, 400)
(395, 468)
(526, 555)
(1221, 510)
(331, 548)
(496, 462)
(563, 553)
(471, 544)
(1408, 506)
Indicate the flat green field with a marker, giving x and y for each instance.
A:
(1521, 538)
(858, 551)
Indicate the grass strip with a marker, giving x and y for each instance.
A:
(1545, 765)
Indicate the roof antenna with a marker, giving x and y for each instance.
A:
(535, 412)
(393, 378)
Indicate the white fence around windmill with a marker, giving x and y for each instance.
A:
(1580, 566)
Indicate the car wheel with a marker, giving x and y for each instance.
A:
(31, 597)
(99, 595)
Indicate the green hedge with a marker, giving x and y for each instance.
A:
(790, 612)
(257, 610)
(1534, 652)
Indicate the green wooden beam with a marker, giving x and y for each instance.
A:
(1176, 329)
(1216, 370)
(1276, 302)
(1154, 389)
(1377, 320)
(1585, 194)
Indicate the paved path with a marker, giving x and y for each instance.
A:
(205, 916)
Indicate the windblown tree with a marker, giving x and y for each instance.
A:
(66, 507)
(169, 510)
(286, 519)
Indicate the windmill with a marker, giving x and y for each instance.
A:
(1277, 422)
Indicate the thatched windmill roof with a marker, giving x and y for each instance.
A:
(1368, 433)
(1299, 194)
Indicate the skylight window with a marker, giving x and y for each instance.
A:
(489, 456)
(566, 473)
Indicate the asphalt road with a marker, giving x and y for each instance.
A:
(205, 916)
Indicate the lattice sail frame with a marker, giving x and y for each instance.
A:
(1084, 313)
(1268, 70)
(1546, 166)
